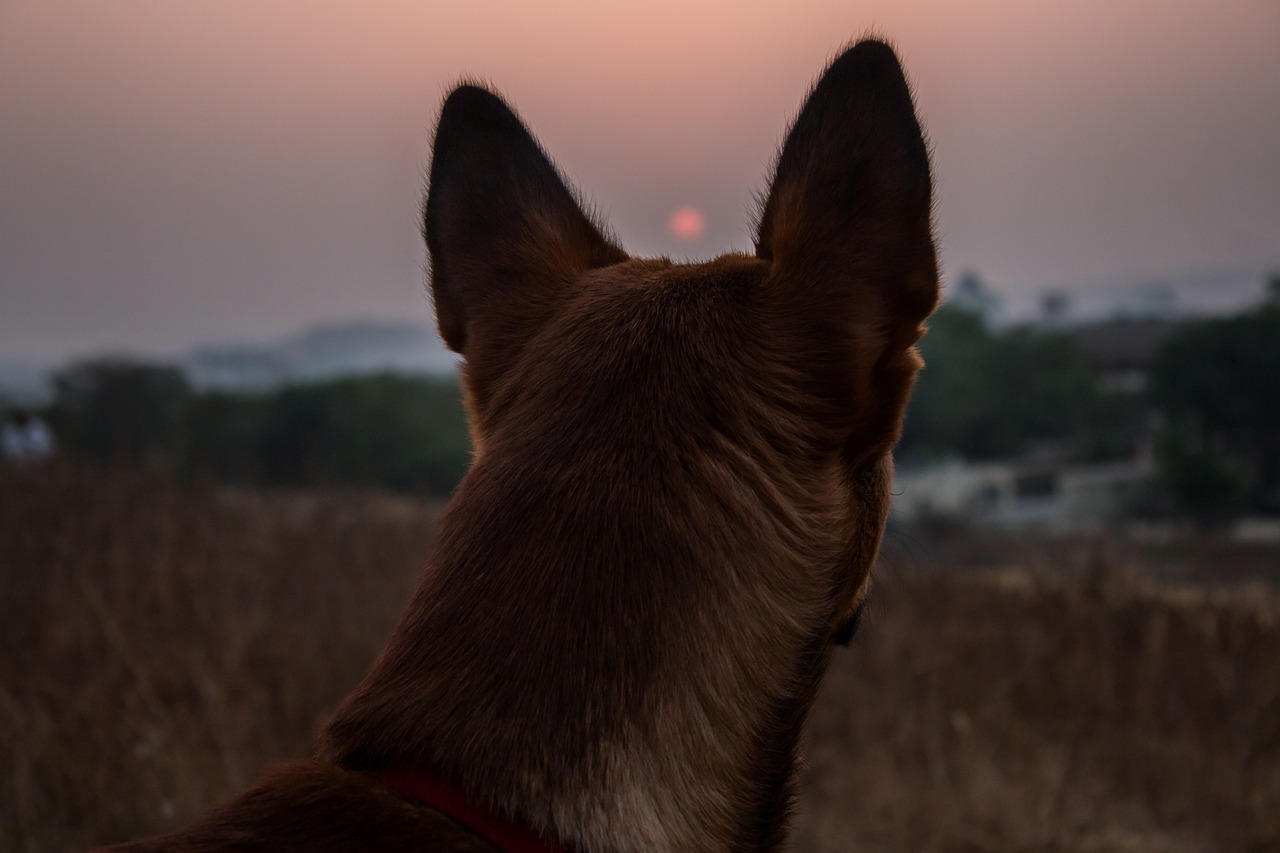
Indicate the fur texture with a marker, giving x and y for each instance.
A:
(681, 478)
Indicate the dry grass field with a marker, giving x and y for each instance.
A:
(159, 644)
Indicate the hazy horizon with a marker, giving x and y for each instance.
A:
(175, 174)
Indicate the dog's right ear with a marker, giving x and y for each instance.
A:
(847, 229)
(504, 232)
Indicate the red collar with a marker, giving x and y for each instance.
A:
(509, 836)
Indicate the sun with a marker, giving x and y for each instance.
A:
(686, 223)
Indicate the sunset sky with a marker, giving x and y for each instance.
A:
(210, 170)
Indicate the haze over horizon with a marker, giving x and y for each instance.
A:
(172, 174)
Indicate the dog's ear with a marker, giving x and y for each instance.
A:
(847, 229)
(504, 232)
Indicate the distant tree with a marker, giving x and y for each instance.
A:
(1217, 384)
(952, 393)
(117, 409)
(222, 434)
(387, 431)
(986, 394)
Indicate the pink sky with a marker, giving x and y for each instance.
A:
(172, 172)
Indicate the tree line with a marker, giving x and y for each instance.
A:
(1211, 414)
(385, 430)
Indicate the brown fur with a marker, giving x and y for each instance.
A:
(681, 479)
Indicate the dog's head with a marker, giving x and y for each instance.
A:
(681, 478)
(794, 363)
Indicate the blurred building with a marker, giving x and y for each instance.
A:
(26, 438)
(1148, 302)
(1021, 494)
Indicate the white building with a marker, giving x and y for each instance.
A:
(1020, 494)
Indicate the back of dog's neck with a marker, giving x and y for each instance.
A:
(611, 670)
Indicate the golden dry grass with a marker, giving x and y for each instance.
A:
(160, 644)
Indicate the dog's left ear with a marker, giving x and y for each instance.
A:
(847, 229)
(504, 232)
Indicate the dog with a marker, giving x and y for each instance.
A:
(681, 478)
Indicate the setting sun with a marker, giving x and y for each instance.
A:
(687, 223)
